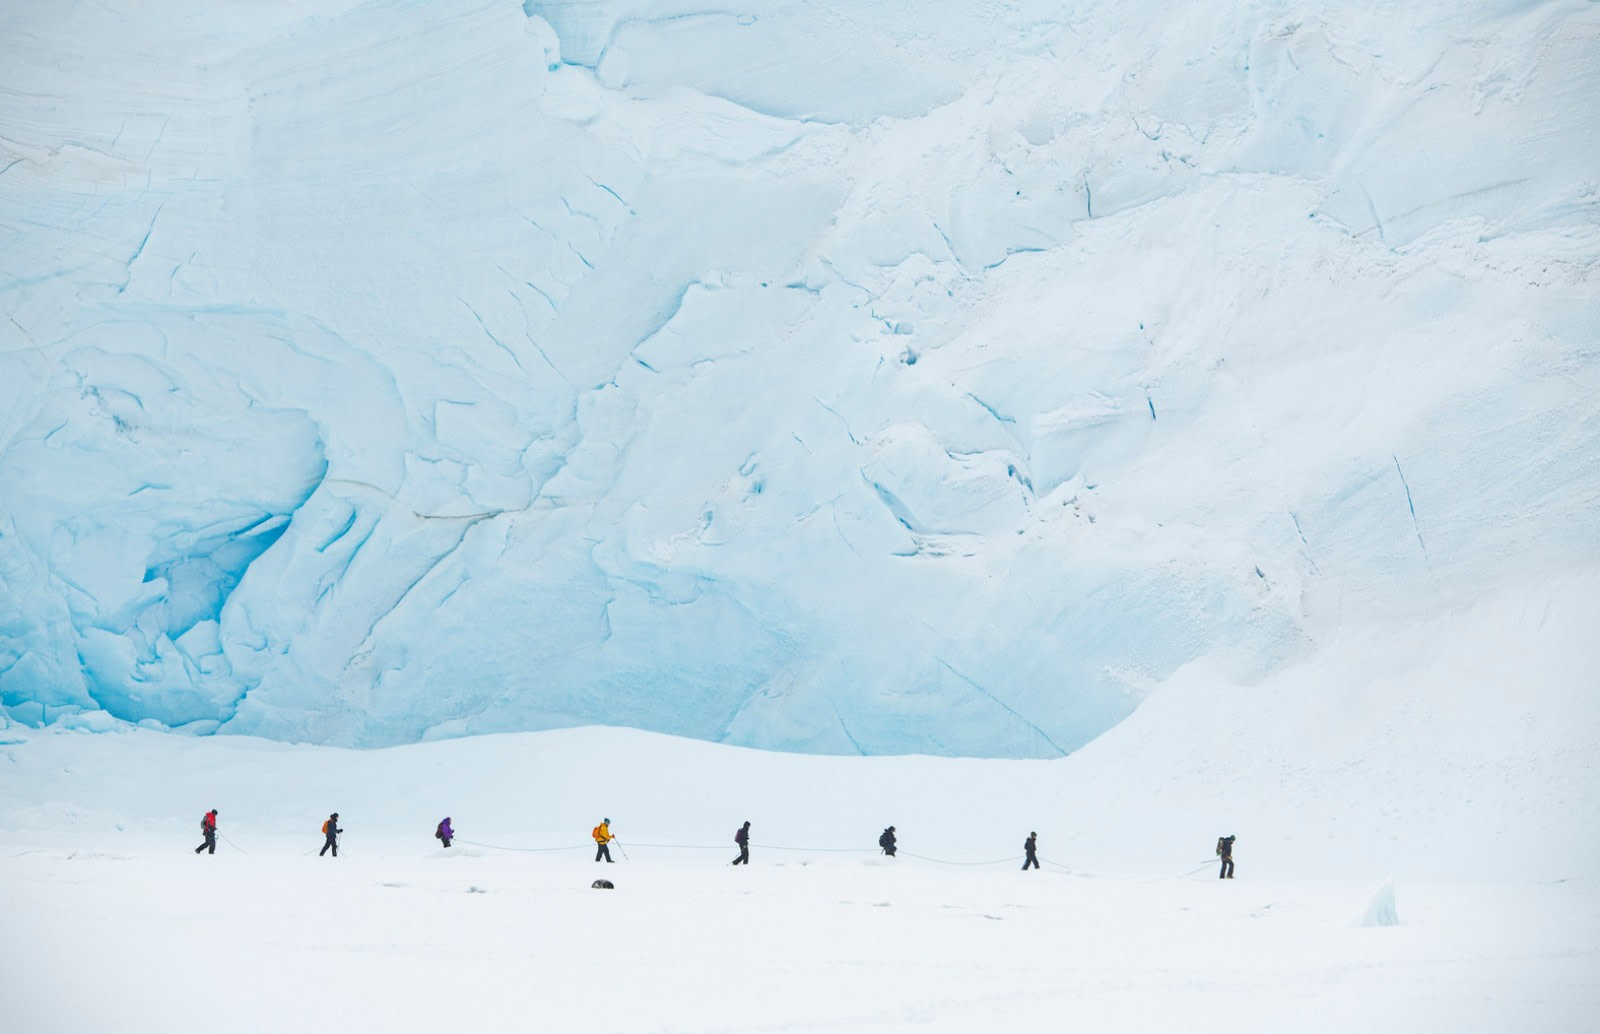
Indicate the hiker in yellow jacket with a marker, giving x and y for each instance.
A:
(602, 837)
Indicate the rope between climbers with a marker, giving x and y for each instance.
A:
(500, 847)
(687, 847)
(942, 861)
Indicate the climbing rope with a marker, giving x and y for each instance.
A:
(529, 850)
(942, 861)
(831, 850)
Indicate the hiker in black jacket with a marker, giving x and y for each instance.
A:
(886, 841)
(1225, 852)
(331, 830)
(742, 838)
(1028, 846)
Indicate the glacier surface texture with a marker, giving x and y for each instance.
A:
(838, 376)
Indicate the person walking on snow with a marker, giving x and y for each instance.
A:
(331, 830)
(742, 838)
(444, 832)
(602, 837)
(886, 841)
(208, 829)
(1225, 852)
(1028, 845)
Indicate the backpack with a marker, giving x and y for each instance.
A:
(595, 833)
(325, 824)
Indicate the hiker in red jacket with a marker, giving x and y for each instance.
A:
(208, 829)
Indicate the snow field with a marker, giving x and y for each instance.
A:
(112, 924)
(394, 937)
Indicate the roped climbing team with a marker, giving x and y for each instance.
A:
(603, 837)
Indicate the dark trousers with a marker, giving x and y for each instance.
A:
(446, 841)
(1031, 862)
(889, 850)
(332, 844)
(744, 855)
(1227, 868)
(210, 845)
(602, 851)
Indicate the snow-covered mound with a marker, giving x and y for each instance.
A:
(841, 376)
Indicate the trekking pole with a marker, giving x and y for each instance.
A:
(1203, 865)
(624, 850)
(231, 844)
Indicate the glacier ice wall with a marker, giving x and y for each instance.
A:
(852, 375)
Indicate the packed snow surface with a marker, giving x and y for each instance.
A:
(112, 924)
(847, 376)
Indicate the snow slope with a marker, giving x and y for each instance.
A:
(112, 924)
(848, 376)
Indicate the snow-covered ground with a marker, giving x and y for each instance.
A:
(113, 925)
(394, 937)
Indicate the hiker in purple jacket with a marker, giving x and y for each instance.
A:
(444, 832)
(742, 838)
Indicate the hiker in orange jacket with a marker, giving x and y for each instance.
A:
(602, 837)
